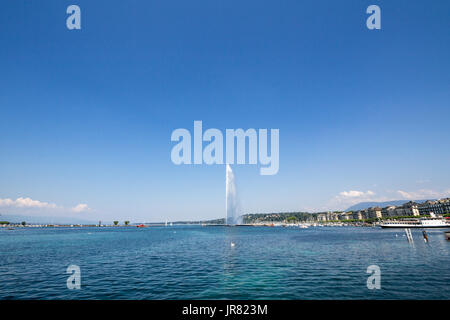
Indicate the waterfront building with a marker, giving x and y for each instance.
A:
(346, 216)
(332, 216)
(389, 211)
(425, 207)
(374, 213)
(445, 203)
(444, 206)
(437, 208)
(408, 209)
(440, 207)
(357, 215)
(365, 213)
(401, 212)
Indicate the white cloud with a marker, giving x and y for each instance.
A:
(26, 203)
(405, 195)
(81, 208)
(423, 194)
(355, 194)
(6, 202)
(21, 204)
(346, 199)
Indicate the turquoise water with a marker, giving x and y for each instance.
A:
(193, 262)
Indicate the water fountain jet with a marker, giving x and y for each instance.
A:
(232, 203)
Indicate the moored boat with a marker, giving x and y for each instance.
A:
(433, 222)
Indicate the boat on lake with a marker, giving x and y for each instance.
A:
(432, 222)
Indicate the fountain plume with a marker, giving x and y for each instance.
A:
(232, 203)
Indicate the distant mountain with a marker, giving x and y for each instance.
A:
(365, 205)
(43, 220)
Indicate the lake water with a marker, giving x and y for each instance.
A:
(194, 262)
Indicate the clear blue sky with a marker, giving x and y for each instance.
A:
(86, 115)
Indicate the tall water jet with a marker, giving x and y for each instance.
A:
(232, 202)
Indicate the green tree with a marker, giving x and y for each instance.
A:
(24, 223)
(116, 223)
(127, 223)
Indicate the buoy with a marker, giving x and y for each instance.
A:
(232, 244)
(425, 236)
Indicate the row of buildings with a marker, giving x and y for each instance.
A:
(438, 207)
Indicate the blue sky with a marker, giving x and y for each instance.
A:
(86, 115)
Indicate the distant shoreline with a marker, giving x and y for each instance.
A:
(289, 225)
